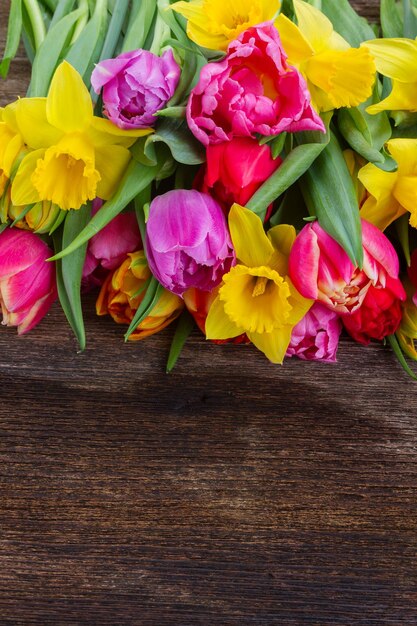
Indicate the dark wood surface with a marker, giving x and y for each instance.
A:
(231, 492)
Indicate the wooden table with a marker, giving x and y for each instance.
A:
(231, 492)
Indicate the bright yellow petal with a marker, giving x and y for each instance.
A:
(300, 305)
(23, 190)
(8, 115)
(68, 105)
(10, 151)
(314, 25)
(404, 151)
(103, 132)
(405, 193)
(33, 125)
(403, 97)
(381, 214)
(218, 324)
(345, 76)
(295, 44)
(252, 246)
(111, 163)
(282, 238)
(274, 345)
(395, 58)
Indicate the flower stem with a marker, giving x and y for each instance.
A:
(36, 20)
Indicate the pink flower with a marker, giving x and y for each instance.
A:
(187, 241)
(109, 248)
(252, 90)
(27, 280)
(136, 85)
(321, 270)
(316, 336)
(235, 170)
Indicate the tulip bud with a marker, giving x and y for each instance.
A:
(27, 280)
(123, 291)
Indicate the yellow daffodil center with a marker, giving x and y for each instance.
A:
(66, 174)
(256, 299)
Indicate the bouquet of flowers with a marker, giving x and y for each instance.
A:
(246, 166)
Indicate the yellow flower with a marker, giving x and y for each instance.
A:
(11, 143)
(74, 156)
(407, 332)
(396, 59)
(256, 296)
(214, 24)
(122, 292)
(337, 75)
(392, 193)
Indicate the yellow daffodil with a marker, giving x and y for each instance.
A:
(74, 156)
(337, 75)
(214, 24)
(396, 59)
(11, 143)
(391, 194)
(257, 297)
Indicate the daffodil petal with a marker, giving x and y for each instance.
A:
(68, 105)
(404, 151)
(252, 246)
(103, 132)
(294, 43)
(381, 214)
(111, 163)
(394, 57)
(33, 125)
(403, 97)
(300, 305)
(314, 25)
(274, 345)
(380, 208)
(406, 194)
(282, 238)
(218, 324)
(23, 190)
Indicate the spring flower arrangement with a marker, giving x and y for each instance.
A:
(249, 167)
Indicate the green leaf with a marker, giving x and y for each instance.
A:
(181, 142)
(69, 271)
(393, 341)
(63, 8)
(139, 26)
(183, 330)
(401, 226)
(329, 194)
(359, 133)
(391, 22)
(177, 112)
(50, 53)
(347, 22)
(293, 166)
(86, 50)
(14, 30)
(153, 293)
(136, 178)
(141, 201)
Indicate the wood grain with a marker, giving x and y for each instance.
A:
(230, 492)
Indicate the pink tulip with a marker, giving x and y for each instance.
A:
(136, 85)
(187, 241)
(316, 336)
(109, 248)
(252, 90)
(321, 270)
(27, 280)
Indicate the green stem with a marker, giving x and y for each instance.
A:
(161, 33)
(36, 20)
(82, 21)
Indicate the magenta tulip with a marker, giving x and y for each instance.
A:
(187, 241)
(27, 280)
(316, 336)
(135, 86)
(252, 90)
(321, 270)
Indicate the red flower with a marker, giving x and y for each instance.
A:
(235, 170)
(380, 313)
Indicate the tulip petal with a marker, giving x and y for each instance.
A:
(111, 163)
(68, 105)
(23, 190)
(218, 324)
(252, 246)
(37, 312)
(380, 248)
(33, 125)
(394, 57)
(274, 345)
(304, 263)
